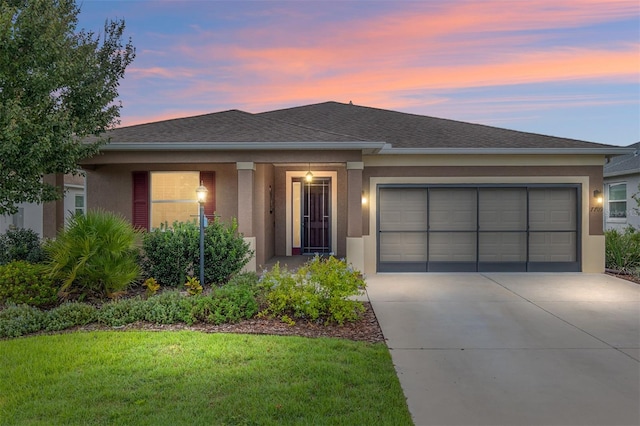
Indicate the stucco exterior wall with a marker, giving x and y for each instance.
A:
(264, 212)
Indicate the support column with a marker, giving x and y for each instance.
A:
(355, 243)
(246, 176)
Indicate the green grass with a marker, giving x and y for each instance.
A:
(173, 378)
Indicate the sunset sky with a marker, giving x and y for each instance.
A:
(567, 68)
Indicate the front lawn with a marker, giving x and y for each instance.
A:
(172, 378)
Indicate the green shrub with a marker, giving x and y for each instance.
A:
(320, 289)
(69, 315)
(171, 254)
(226, 252)
(94, 256)
(23, 282)
(20, 244)
(622, 250)
(18, 320)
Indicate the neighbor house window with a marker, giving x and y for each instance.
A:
(618, 201)
(165, 197)
(17, 219)
(79, 204)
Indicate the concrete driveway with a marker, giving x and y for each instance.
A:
(513, 349)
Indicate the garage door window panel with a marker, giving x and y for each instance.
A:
(552, 209)
(502, 225)
(452, 209)
(502, 247)
(452, 247)
(403, 247)
(403, 209)
(403, 225)
(502, 209)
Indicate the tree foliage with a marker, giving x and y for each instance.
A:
(58, 85)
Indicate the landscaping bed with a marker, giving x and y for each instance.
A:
(366, 329)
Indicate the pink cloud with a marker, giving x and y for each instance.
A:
(383, 61)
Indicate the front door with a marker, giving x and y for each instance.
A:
(315, 216)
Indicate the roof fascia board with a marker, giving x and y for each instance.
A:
(505, 151)
(372, 147)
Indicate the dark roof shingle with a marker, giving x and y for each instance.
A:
(403, 130)
(226, 126)
(338, 122)
(624, 164)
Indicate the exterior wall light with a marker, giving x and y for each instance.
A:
(309, 176)
(364, 198)
(597, 194)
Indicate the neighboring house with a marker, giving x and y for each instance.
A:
(45, 219)
(621, 180)
(389, 191)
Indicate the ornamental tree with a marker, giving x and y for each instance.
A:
(58, 85)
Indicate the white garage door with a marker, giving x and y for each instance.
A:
(479, 228)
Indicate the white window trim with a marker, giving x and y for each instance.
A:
(608, 218)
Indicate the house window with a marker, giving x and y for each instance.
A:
(166, 197)
(17, 220)
(173, 197)
(79, 204)
(618, 201)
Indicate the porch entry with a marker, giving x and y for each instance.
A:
(311, 216)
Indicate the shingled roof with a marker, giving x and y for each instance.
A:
(334, 125)
(226, 126)
(403, 130)
(624, 164)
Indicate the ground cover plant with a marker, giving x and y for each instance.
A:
(155, 378)
(622, 250)
(231, 303)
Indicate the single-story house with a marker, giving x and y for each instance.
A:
(47, 218)
(389, 191)
(621, 183)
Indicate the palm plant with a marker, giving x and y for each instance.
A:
(94, 256)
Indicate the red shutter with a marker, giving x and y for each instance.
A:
(140, 217)
(208, 179)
